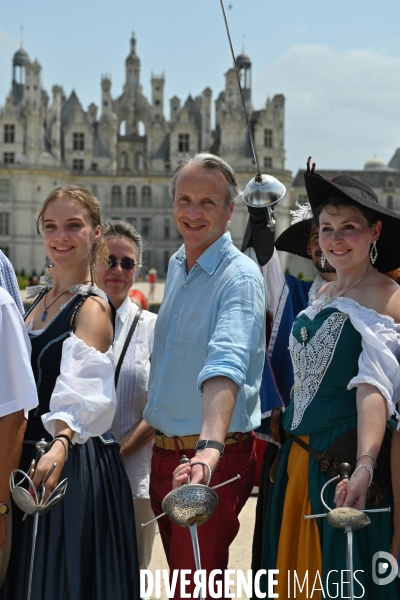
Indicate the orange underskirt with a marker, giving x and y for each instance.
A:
(299, 542)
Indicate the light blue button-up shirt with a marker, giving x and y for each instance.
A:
(211, 323)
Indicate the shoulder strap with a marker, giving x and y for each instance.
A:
(75, 314)
(36, 301)
(125, 348)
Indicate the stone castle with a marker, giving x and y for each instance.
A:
(124, 151)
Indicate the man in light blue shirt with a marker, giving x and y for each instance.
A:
(207, 361)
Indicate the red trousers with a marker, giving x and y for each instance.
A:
(218, 533)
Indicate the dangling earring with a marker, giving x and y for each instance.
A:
(323, 259)
(47, 262)
(373, 253)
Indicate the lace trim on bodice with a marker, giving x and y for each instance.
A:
(46, 282)
(311, 360)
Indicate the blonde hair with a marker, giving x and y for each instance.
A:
(92, 206)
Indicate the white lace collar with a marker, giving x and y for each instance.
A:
(314, 289)
(342, 301)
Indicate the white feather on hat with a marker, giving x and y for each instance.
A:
(303, 213)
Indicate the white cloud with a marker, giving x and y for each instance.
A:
(341, 107)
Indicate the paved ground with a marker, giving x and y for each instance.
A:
(240, 552)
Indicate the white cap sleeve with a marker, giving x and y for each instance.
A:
(379, 360)
(84, 393)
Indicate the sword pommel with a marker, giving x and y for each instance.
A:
(344, 471)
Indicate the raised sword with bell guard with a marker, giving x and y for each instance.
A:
(262, 191)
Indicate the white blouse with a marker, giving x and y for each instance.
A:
(84, 394)
(379, 360)
(132, 389)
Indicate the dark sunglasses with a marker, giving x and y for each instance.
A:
(126, 263)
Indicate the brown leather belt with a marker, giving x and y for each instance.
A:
(188, 442)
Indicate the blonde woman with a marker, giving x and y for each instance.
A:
(85, 547)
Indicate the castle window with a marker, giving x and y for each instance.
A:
(132, 221)
(4, 223)
(267, 162)
(131, 196)
(94, 190)
(78, 164)
(9, 134)
(167, 197)
(139, 161)
(146, 196)
(167, 229)
(183, 142)
(157, 103)
(146, 229)
(78, 141)
(8, 158)
(389, 202)
(267, 138)
(116, 196)
(94, 167)
(123, 161)
(5, 190)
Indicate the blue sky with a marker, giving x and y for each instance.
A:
(337, 63)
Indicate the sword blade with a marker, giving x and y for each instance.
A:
(196, 549)
(34, 534)
(349, 559)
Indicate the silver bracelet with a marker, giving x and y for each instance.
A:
(370, 455)
(369, 469)
(57, 439)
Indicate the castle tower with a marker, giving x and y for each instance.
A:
(20, 59)
(55, 118)
(132, 68)
(243, 64)
(157, 98)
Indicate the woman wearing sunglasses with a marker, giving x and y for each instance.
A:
(134, 334)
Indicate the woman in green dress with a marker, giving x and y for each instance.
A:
(345, 350)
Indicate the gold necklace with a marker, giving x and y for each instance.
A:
(330, 298)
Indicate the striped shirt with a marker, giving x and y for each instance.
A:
(9, 282)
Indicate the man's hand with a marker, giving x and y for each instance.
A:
(197, 473)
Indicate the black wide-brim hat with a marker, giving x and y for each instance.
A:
(320, 189)
(295, 238)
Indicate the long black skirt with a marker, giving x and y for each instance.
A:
(86, 545)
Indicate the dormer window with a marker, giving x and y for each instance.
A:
(79, 141)
(9, 134)
(267, 138)
(183, 142)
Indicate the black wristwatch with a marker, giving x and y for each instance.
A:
(202, 444)
(4, 509)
